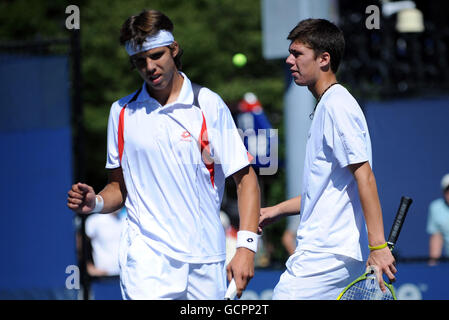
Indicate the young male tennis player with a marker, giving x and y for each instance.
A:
(169, 152)
(341, 220)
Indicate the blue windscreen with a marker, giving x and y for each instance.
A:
(410, 156)
(36, 228)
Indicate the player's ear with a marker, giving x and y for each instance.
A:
(174, 48)
(325, 60)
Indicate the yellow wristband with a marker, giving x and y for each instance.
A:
(378, 247)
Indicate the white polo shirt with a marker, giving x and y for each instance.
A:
(174, 197)
(331, 215)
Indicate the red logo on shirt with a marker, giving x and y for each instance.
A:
(185, 136)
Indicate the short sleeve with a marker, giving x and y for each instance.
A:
(228, 148)
(346, 134)
(112, 159)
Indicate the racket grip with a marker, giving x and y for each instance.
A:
(398, 221)
(231, 292)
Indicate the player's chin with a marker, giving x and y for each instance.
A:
(300, 81)
(156, 85)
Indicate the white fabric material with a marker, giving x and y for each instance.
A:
(171, 199)
(105, 230)
(331, 215)
(147, 274)
(247, 239)
(316, 276)
(99, 204)
(161, 39)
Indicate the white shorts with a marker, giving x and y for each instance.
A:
(146, 274)
(316, 276)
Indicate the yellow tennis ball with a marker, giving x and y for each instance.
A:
(239, 60)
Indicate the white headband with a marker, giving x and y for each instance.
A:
(161, 39)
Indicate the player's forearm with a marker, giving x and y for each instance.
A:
(248, 195)
(114, 193)
(369, 199)
(289, 207)
(113, 197)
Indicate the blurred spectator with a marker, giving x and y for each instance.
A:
(263, 257)
(438, 224)
(289, 236)
(255, 128)
(104, 231)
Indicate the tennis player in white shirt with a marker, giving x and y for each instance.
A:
(341, 228)
(169, 152)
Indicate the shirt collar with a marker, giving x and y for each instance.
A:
(185, 95)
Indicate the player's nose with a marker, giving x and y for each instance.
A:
(150, 65)
(289, 60)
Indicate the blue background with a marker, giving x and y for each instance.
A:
(37, 238)
(410, 156)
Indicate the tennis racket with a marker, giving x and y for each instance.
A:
(231, 292)
(366, 287)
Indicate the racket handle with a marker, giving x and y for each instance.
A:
(398, 221)
(231, 292)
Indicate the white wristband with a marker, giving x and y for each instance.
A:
(99, 203)
(247, 239)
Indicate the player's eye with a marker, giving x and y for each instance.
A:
(156, 56)
(296, 54)
(140, 63)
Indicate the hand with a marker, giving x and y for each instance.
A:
(241, 268)
(94, 271)
(81, 198)
(385, 263)
(268, 216)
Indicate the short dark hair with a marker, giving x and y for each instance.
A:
(147, 23)
(322, 36)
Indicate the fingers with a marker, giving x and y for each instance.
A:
(263, 218)
(240, 284)
(76, 199)
(382, 286)
(79, 189)
(268, 215)
(241, 268)
(241, 281)
(82, 188)
(76, 194)
(384, 263)
(389, 271)
(261, 224)
(380, 278)
(229, 273)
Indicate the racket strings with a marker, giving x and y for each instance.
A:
(366, 289)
